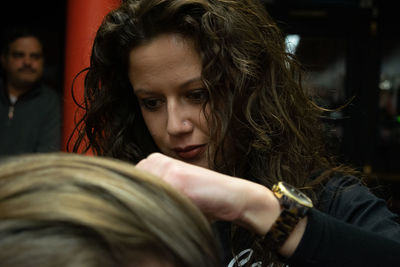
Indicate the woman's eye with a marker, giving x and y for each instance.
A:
(151, 103)
(198, 96)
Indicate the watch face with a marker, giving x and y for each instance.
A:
(292, 192)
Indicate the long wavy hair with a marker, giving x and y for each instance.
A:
(72, 210)
(263, 126)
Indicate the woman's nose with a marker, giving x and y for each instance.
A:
(178, 120)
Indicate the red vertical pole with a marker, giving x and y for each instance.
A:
(83, 20)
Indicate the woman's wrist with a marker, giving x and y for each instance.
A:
(294, 239)
(260, 212)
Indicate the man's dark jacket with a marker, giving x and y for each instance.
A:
(34, 124)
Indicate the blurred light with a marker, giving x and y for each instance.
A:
(385, 85)
(292, 41)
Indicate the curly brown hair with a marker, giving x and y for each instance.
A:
(258, 103)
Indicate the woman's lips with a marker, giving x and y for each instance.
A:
(190, 152)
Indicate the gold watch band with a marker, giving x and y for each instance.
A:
(295, 205)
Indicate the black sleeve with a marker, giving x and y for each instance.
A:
(347, 200)
(328, 241)
(355, 229)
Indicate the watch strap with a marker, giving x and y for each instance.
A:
(280, 230)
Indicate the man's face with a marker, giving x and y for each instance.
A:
(24, 62)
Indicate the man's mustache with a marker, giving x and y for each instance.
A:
(27, 68)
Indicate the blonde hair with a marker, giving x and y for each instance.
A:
(72, 210)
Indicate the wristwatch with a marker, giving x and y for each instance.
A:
(294, 205)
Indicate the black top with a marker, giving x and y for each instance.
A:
(32, 124)
(351, 227)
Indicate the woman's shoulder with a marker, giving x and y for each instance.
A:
(342, 181)
(348, 199)
(341, 192)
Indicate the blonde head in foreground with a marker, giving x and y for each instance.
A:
(73, 210)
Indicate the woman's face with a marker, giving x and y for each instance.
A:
(166, 76)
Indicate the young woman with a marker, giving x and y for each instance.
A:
(72, 210)
(203, 94)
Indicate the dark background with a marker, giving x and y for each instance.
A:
(364, 37)
(350, 46)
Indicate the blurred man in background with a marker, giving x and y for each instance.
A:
(29, 111)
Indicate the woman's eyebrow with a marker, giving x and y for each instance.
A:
(188, 82)
(182, 85)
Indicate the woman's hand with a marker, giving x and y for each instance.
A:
(223, 197)
(214, 193)
(219, 196)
